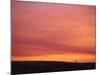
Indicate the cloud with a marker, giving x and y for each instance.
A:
(40, 28)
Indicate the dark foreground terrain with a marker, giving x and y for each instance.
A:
(25, 67)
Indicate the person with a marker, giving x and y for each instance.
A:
(75, 61)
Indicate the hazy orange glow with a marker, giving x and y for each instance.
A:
(58, 57)
(53, 32)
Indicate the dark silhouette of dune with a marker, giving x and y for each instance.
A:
(24, 67)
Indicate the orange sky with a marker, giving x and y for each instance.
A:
(53, 32)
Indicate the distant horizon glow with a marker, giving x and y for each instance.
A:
(58, 57)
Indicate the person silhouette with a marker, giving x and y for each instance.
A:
(75, 61)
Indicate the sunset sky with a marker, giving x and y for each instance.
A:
(53, 32)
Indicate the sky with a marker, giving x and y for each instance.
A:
(53, 32)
